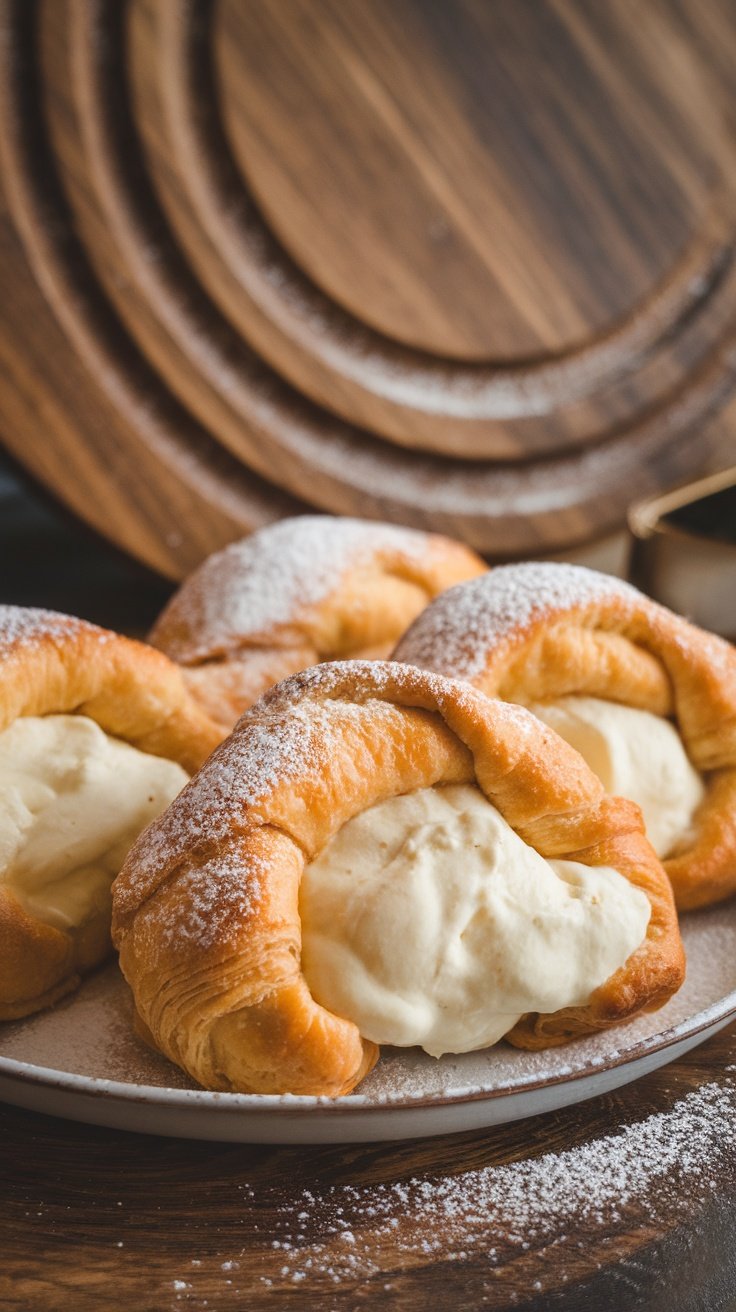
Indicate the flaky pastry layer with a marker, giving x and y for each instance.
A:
(206, 908)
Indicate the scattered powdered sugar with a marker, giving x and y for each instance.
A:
(91, 1033)
(530, 1212)
(272, 578)
(664, 1165)
(212, 806)
(359, 681)
(646, 1173)
(457, 630)
(245, 770)
(212, 898)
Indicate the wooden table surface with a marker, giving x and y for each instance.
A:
(93, 1218)
(98, 1219)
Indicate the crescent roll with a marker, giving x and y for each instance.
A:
(208, 912)
(649, 699)
(97, 734)
(304, 590)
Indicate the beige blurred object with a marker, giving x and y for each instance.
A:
(684, 550)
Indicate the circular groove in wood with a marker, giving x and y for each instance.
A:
(360, 127)
(552, 435)
(363, 476)
(61, 267)
(323, 334)
(522, 440)
(508, 509)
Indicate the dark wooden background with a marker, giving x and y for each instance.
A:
(50, 558)
(466, 264)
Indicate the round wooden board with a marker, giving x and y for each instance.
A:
(454, 263)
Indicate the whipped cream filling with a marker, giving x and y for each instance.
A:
(72, 801)
(428, 921)
(637, 755)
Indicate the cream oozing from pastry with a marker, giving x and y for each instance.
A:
(635, 754)
(72, 800)
(428, 921)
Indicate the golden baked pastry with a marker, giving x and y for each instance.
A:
(575, 645)
(80, 709)
(206, 910)
(301, 591)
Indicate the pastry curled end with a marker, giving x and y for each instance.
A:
(537, 632)
(52, 664)
(309, 589)
(206, 908)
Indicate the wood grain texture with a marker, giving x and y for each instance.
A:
(92, 1217)
(452, 114)
(451, 263)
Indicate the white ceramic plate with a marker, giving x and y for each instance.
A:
(82, 1061)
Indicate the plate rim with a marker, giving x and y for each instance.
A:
(286, 1104)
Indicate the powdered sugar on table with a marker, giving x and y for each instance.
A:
(662, 1164)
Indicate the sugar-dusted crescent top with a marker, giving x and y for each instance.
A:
(57, 664)
(301, 591)
(457, 633)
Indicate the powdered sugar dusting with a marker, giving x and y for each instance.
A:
(361, 680)
(290, 734)
(270, 747)
(272, 579)
(457, 630)
(218, 895)
(663, 1164)
(244, 769)
(28, 626)
(91, 1032)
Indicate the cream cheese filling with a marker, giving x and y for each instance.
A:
(428, 921)
(72, 801)
(637, 755)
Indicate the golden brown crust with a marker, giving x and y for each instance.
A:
(54, 664)
(205, 910)
(37, 961)
(536, 632)
(305, 590)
